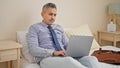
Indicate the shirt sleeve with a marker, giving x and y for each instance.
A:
(33, 45)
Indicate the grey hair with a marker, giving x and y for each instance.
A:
(49, 5)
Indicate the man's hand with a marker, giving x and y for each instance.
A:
(59, 53)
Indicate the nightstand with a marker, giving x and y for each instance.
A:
(9, 51)
(109, 36)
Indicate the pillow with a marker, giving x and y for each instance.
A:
(21, 38)
(83, 30)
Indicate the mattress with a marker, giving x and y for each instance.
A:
(25, 64)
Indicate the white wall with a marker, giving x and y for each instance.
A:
(20, 14)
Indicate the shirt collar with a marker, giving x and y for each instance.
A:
(45, 25)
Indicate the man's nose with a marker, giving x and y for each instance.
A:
(53, 17)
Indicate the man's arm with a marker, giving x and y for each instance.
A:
(34, 49)
(59, 53)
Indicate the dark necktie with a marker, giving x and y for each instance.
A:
(55, 40)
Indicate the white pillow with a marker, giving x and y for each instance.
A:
(83, 30)
(21, 38)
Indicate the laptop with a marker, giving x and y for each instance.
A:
(79, 46)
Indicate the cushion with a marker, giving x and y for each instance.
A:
(82, 30)
(21, 38)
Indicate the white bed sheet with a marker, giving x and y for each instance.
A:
(25, 64)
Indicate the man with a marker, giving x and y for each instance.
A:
(43, 44)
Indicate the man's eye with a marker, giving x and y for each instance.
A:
(54, 14)
(51, 14)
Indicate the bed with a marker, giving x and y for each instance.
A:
(27, 61)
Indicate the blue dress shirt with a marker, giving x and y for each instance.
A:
(40, 40)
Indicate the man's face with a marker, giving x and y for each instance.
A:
(49, 15)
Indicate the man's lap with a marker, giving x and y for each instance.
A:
(69, 62)
(90, 62)
(60, 62)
